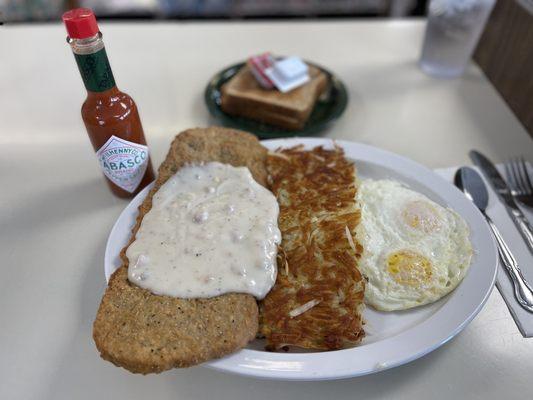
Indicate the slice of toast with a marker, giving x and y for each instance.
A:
(243, 96)
(146, 333)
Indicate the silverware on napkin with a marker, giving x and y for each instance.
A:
(504, 193)
(517, 175)
(469, 181)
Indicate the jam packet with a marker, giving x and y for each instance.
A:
(285, 74)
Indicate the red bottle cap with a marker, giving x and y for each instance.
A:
(80, 23)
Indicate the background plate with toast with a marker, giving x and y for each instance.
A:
(328, 108)
(393, 338)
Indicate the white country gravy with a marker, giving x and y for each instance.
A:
(212, 229)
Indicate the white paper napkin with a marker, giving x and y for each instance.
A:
(496, 210)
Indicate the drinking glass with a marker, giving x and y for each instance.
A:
(452, 32)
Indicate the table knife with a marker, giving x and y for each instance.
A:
(504, 193)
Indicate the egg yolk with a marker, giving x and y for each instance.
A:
(409, 268)
(421, 216)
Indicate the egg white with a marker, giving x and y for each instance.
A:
(431, 244)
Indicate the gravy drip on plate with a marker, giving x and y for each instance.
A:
(212, 229)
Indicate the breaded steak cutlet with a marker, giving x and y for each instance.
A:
(317, 301)
(147, 333)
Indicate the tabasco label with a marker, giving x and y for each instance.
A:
(123, 162)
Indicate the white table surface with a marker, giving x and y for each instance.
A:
(56, 211)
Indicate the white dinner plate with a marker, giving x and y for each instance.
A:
(393, 338)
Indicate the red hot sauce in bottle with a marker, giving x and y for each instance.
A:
(110, 116)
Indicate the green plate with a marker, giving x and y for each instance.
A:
(328, 108)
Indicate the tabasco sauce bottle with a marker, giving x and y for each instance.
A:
(110, 116)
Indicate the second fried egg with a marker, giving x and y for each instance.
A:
(415, 251)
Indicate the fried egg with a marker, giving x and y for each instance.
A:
(415, 251)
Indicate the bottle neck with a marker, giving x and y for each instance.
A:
(93, 63)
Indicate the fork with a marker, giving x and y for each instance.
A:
(517, 175)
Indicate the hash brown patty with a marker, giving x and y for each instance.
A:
(317, 301)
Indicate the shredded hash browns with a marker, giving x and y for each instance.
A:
(317, 301)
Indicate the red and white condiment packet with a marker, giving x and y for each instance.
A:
(286, 74)
(258, 65)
